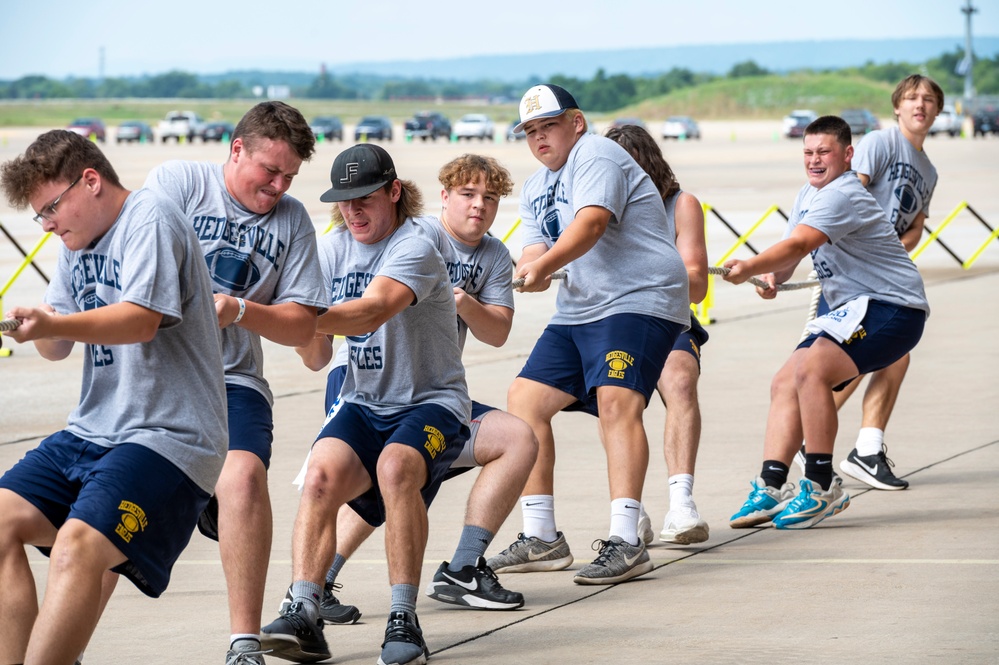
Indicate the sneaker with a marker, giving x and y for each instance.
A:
(812, 505)
(618, 561)
(241, 657)
(645, 531)
(799, 459)
(874, 470)
(531, 554)
(404, 644)
(763, 503)
(330, 609)
(684, 526)
(473, 586)
(293, 636)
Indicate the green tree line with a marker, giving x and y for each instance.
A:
(601, 93)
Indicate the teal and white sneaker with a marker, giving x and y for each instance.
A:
(812, 505)
(763, 503)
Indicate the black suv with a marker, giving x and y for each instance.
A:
(426, 125)
(327, 126)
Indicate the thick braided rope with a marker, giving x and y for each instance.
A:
(558, 274)
(9, 324)
(813, 306)
(787, 286)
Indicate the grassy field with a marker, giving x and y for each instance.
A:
(764, 97)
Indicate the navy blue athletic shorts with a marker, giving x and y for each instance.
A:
(251, 422)
(139, 500)
(626, 350)
(887, 333)
(692, 340)
(436, 433)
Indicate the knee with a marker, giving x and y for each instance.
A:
(679, 388)
(242, 475)
(400, 469)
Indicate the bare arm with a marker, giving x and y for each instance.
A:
(912, 234)
(489, 323)
(289, 323)
(690, 242)
(317, 353)
(382, 299)
(578, 238)
(54, 335)
(780, 259)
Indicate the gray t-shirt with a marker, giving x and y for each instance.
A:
(902, 178)
(414, 357)
(166, 394)
(269, 259)
(634, 267)
(484, 272)
(863, 256)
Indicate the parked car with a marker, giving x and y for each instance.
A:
(621, 122)
(947, 122)
(134, 130)
(474, 126)
(861, 121)
(985, 121)
(428, 125)
(681, 127)
(794, 123)
(512, 135)
(328, 127)
(89, 127)
(181, 124)
(218, 131)
(374, 127)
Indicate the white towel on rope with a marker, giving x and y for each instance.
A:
(841, 323)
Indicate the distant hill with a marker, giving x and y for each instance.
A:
(715, 59)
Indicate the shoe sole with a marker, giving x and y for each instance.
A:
(419, 660)
(756, 519)
(836, 509)
(545, 566)
(857, 473)
(289, 648)
(692, 536)
(342, 619)
(455, 595)
(635, 571)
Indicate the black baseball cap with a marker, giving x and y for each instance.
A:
(359, 171)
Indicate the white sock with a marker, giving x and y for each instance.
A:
(681, 489)
(869, 441)
(624, 519)
(539, 516)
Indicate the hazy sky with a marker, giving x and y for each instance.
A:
(58, 38)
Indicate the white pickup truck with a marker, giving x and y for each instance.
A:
(177, 124)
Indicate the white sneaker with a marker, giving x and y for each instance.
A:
(684, 526)
(645, 531)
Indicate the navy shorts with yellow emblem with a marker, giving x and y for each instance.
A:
(887, 333)
(138, 499)
(626, 350)
(692, 340)
(430, 429)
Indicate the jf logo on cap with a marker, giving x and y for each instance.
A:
(544, 101)
(359, 171)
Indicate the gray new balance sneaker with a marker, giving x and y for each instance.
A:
(618, 561)
(530, 555)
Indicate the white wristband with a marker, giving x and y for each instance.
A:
(242, 310)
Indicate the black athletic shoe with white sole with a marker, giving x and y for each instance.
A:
(873, 470)
(473, 586)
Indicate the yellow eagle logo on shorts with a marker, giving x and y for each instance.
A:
(133, 520)
(617, 363)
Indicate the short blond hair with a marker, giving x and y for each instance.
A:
(469, 168)
(410, 203)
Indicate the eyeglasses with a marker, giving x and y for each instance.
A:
(49, 211)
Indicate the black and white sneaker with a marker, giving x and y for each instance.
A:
(404, 644)
(873, 470)
(473, 586)
(294, 637)
(330, 608)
